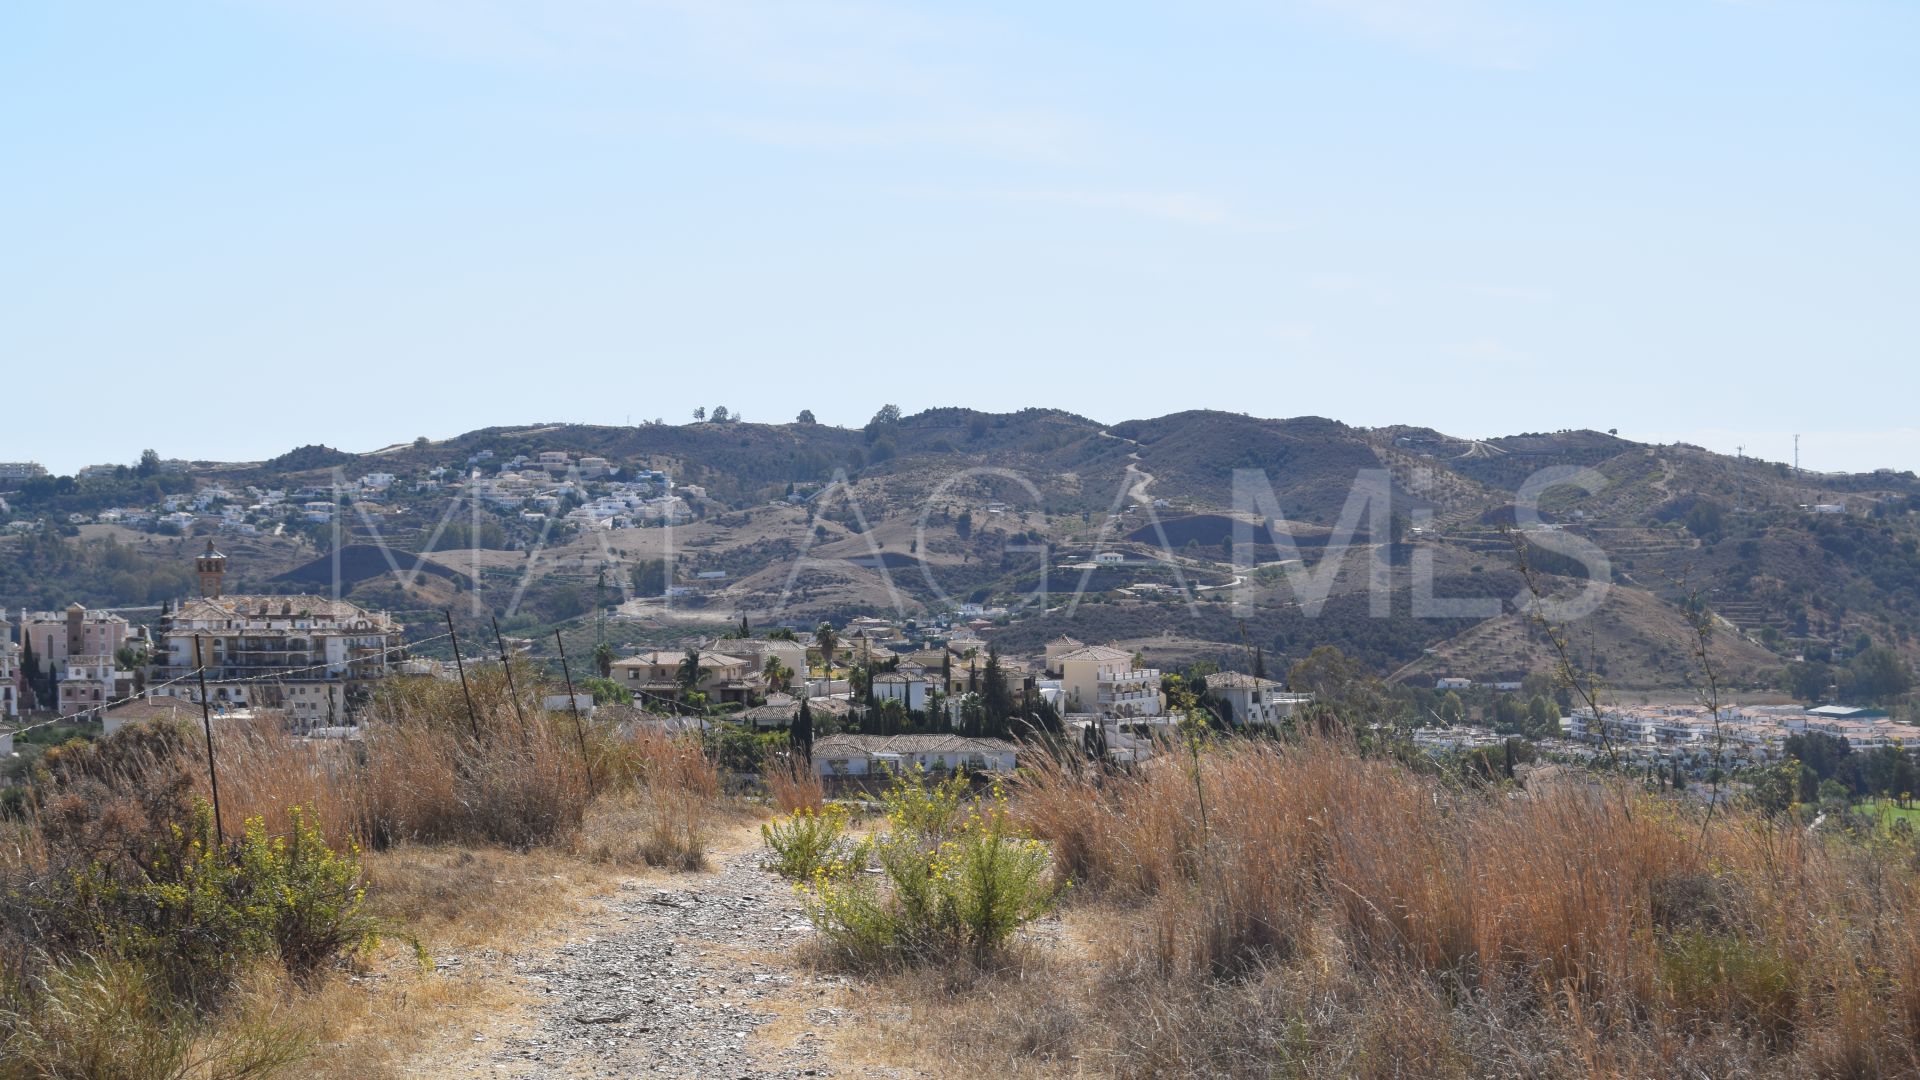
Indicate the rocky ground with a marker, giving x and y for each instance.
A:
(689, 976)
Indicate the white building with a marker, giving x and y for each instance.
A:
(908, 688)
(1255, 702)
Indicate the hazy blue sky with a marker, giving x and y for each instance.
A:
(230, 228)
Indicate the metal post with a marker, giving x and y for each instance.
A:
(472, 718)
(579, 728)
(206, 722)
(506, 665)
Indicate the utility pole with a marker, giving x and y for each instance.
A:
(1796, 455)
(578, 728)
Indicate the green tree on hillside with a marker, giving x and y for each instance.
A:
(1876, 675)
(650, 578)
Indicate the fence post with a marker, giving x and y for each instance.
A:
(506, 665)
(578, 728)
(472, 719)
(206, 723)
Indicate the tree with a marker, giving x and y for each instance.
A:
(1772, 789)
(1508, 717)
(997, 700)
(1704, 520)
(149, 464)
(800, 735)
(805, 417)
(700, 412)
(776, 673)
(1877, 674)
(603, 657)
(1094, 741)
(826, 641)
(30, 668)
(1807, 680)
(690, 674)
(1452, 709)
(882, 422)
(1340, 685)
(1543, 717)
(422, 442)
(650, 578)
(606, 691)
(719, 414)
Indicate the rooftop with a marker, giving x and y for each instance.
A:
(1235, 680)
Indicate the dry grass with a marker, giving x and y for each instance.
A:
(793, 785)
(472, 844)
(473, 904)
(663, 810)
(434, 772)
(1302, 911)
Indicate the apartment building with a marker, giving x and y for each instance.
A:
(1101, 679)
(309, 656)
(88, 683)
(55, 635)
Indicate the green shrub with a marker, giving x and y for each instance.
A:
(805, 842)
(196, 913)
(958, 895)
(918, 804)
(1724, 977)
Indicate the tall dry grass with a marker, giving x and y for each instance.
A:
(793, 785)
(664, 807)
(1577, 930)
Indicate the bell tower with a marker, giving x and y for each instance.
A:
(212, 567)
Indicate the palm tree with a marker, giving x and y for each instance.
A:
(826, 641)
(603, 658)
(776, 673)
(690, 673)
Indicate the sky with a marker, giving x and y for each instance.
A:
(231, 228)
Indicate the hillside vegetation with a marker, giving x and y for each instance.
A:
(911, 514)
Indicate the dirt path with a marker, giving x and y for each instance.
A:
(688, 976)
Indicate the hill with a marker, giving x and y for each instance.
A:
(913, 514)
